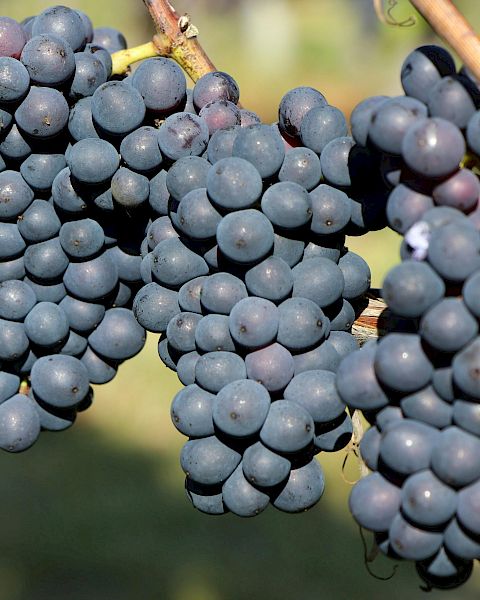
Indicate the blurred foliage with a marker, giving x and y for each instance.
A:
(99, 512)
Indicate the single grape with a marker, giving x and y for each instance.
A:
(191, 411)
(109, 38)
(262, 146)
(401, 364)
(16, 300)
(264, 468)
(215, 86)
(456, 457)
(19, 421)
(93, 161)
(302, 324)
(118, 336)
(408, 446)
(423, 68)
(271, 279)
(272, 366)
(233, 183)
(173, 263)
(411, 288)
(241, 407)
(117, 108)
(208, 460)
(14, 80)
(319, 280)
(91, 280)
(427, 406)
(183, 134)
(241, 498)
(302, 166)
(331, 210)
(411, 542)
(303, 489)
(374, 502)
(161, 83)
(433, 147)
(293, 107)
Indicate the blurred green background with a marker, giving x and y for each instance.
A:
(99, 512)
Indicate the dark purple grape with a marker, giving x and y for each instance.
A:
(357, 383)
(361, 117)
(302, 324)
(208, 460)
(215, 370)
(241, 407)
(196, 217)
(295, 105)
(129, 189)
(287, 205)
(302, 166)
(411, 542)
(374, 502)
(303, 489)
(460, 191)
(271, 279)
(90, 74)
(405, 207)
(262, 146)
(401, 364)
(191, 411)
(408, 446)
(117, 108)
(321, 125)
(456, 457)
(220, 114)
(241, 498)
(43, 113)
(14, 80)
(233, 183)
(427, 406)
(391, 120)
(183, 134)
(335, 161)
(109, 38)
(448, 325)
(318, 279)
(466, 369)
(433, 147)
(272, 366)
(161, 84)
(49, 60)
(411, 288)
(331, 210)
(63, 22)
(453, 98)
(215, 86)
(423, 68)
(454, 251)
(12, 38)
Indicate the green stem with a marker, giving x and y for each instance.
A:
(122, 59)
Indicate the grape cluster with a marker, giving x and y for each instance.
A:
(248, 280)
(69, 256)
(419, 385)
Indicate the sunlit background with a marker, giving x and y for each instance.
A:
(99, 512)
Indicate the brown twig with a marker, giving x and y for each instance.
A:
(176, 37)
(449, 24)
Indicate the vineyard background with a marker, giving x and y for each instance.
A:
(99, 511)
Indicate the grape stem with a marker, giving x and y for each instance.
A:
(176, 38)
(449, 24)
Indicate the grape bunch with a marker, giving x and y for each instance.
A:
(419, 386)
(69, 256)
(249, 283)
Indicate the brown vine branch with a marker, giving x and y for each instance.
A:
(449, 24)
(176, 38)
